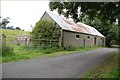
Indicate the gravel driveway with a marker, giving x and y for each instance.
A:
(66, 66)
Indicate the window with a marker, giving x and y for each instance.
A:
(88, 37)
(94, 37)
(77, 36)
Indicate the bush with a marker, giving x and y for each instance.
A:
(7, 51)
(45, 31)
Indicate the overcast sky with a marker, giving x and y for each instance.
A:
(23, 14)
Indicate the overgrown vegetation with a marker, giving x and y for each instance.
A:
(23, 52)
(107, 69)
(7, 51)
(45, 30)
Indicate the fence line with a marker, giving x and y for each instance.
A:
(28, 41)
(2, 40)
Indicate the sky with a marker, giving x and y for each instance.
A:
(23, 14)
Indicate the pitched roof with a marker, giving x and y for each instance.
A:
(72, 26)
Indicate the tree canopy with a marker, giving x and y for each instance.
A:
(4, 21)
(45, 30)
(105, 11)
(17, 28)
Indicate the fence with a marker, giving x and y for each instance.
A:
(31, 42)
(2, 40)
(27, 45)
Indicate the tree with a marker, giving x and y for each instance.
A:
(10, 27)
(4, 22)
(45, 30)
(103, 15)
(77, 10)
(17, 28)
(22, 29)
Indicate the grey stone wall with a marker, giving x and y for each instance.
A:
(70, 39)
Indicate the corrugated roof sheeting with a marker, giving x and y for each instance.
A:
(71, 26)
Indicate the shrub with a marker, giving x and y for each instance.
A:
(7, 51)
(45, 30)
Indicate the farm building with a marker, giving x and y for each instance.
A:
(23, 39)
(75, 34)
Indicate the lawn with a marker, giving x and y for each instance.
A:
(107, 69)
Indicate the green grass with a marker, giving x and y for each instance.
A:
(107, 69)
(23, 52)
(13, 33)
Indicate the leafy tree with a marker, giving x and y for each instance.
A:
(110, 31)
(17, 28)
(45, 30)
(4, 22)
(22, 29)
(77, 10)
(101, 15)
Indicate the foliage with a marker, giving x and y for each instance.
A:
(22, 52)
(17, 28)
(110, 31)
(7, 51)
(107, 69)
(4, 22)
(77, 10)
(106, 12)
(10, 27)
(45, 30)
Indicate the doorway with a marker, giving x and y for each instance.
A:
(95, 40)
(84, 42)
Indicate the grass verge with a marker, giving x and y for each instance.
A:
(107, 69)
(23, 52)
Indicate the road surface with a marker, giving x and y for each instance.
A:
(66, 66)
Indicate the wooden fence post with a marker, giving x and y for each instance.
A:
(25, 41)
(3, 38)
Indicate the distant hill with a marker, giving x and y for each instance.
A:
(13, 33)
